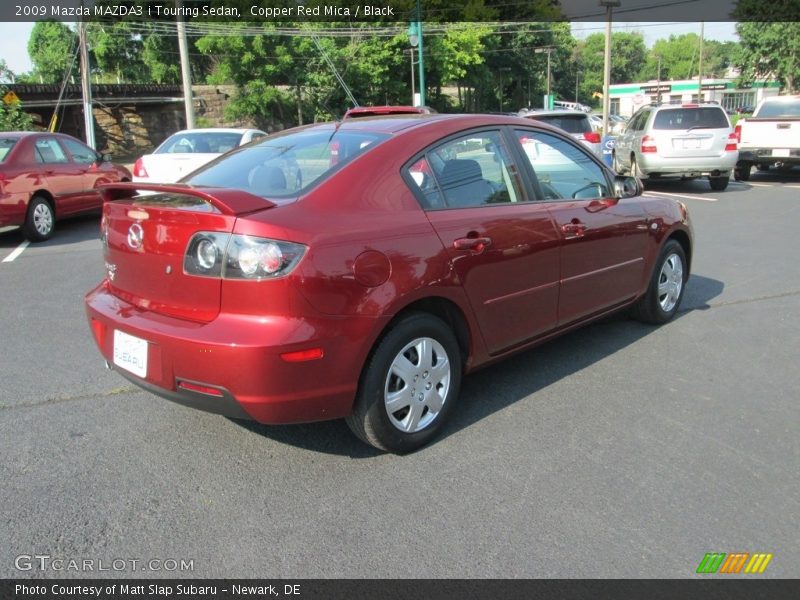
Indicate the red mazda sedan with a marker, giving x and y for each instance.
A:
(422, 248)
(49, 176)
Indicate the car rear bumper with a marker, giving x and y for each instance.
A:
(687, 166)
(787, 156)
(238, 358)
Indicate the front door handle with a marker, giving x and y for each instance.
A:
(476, 245)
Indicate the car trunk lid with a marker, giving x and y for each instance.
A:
(146, 239)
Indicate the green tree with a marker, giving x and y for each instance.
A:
(51, 47)
(117, 51)
(12, 117)
(628, 57)
(770, 49)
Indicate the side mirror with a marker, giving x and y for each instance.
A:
(627, 187)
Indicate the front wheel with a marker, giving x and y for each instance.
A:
(409, 385)
(667, 284)
(40, 220)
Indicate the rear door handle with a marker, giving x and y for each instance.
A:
(574, 229)
(476, 245)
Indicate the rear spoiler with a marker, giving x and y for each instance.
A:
(227, 201)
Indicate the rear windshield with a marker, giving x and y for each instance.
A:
(285, 165)
(784, 108)
(704, 117)
(6, 144)
(569, 123)
(201, 142)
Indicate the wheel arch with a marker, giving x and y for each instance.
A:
(47, 196)
(682, 238)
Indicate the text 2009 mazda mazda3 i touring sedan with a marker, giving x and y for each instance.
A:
(416, 249)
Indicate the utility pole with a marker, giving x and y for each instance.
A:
(607, 63)
(549, 50)
(186, 73)
(700, 67)
(415, 38)
(658, 84)
(86, 85)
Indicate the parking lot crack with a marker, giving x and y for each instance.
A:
(59, 399)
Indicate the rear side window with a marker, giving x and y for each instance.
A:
(48, 150)
(568, 123)
(470, 171)
(779, 109)
(285, 165)
(6, 144)
(705, 117)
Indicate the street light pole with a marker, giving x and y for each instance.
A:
(549, 49)
(86, 86)
(607, 62)
(415, 38)
(413, 90)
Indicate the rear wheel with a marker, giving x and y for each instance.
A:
(615, 164)
(667, 284)
(40, 220)
(409, 385)
(719, 183)
(742, 172)
(635, 170)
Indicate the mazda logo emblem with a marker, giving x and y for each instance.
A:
(135, 236)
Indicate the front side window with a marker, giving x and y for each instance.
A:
(80, 153)
(469, 171)
(562, 170)
(49, 151)
(284, 165)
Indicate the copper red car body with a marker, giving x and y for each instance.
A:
(69, 186)
(294, 348)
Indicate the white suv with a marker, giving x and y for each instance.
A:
(678, 140)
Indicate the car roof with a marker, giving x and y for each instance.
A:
(559, 112)
(395, 124)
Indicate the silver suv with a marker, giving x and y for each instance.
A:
(574, 122)
(678, 140)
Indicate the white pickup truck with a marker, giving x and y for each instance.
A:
(771, 137)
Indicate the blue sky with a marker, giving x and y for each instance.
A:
(15, 36)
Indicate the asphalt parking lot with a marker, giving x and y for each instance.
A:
(621, 450)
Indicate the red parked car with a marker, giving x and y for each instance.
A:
(424, 249)
(48, 176)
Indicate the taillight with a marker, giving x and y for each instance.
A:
(648, 144)
(592, 137)
(731, 146)
(138, 169)
(737, 132)
(240, 256)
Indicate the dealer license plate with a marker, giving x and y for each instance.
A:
(130, 353)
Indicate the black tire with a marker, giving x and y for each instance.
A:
(762, 167)
(656, 307)
(742, 172)
(40, 220)
(372, 420)
(636, 171)
(719, 183)
(615, 166)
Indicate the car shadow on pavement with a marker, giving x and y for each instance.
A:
(523, 375)
(69, 231)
